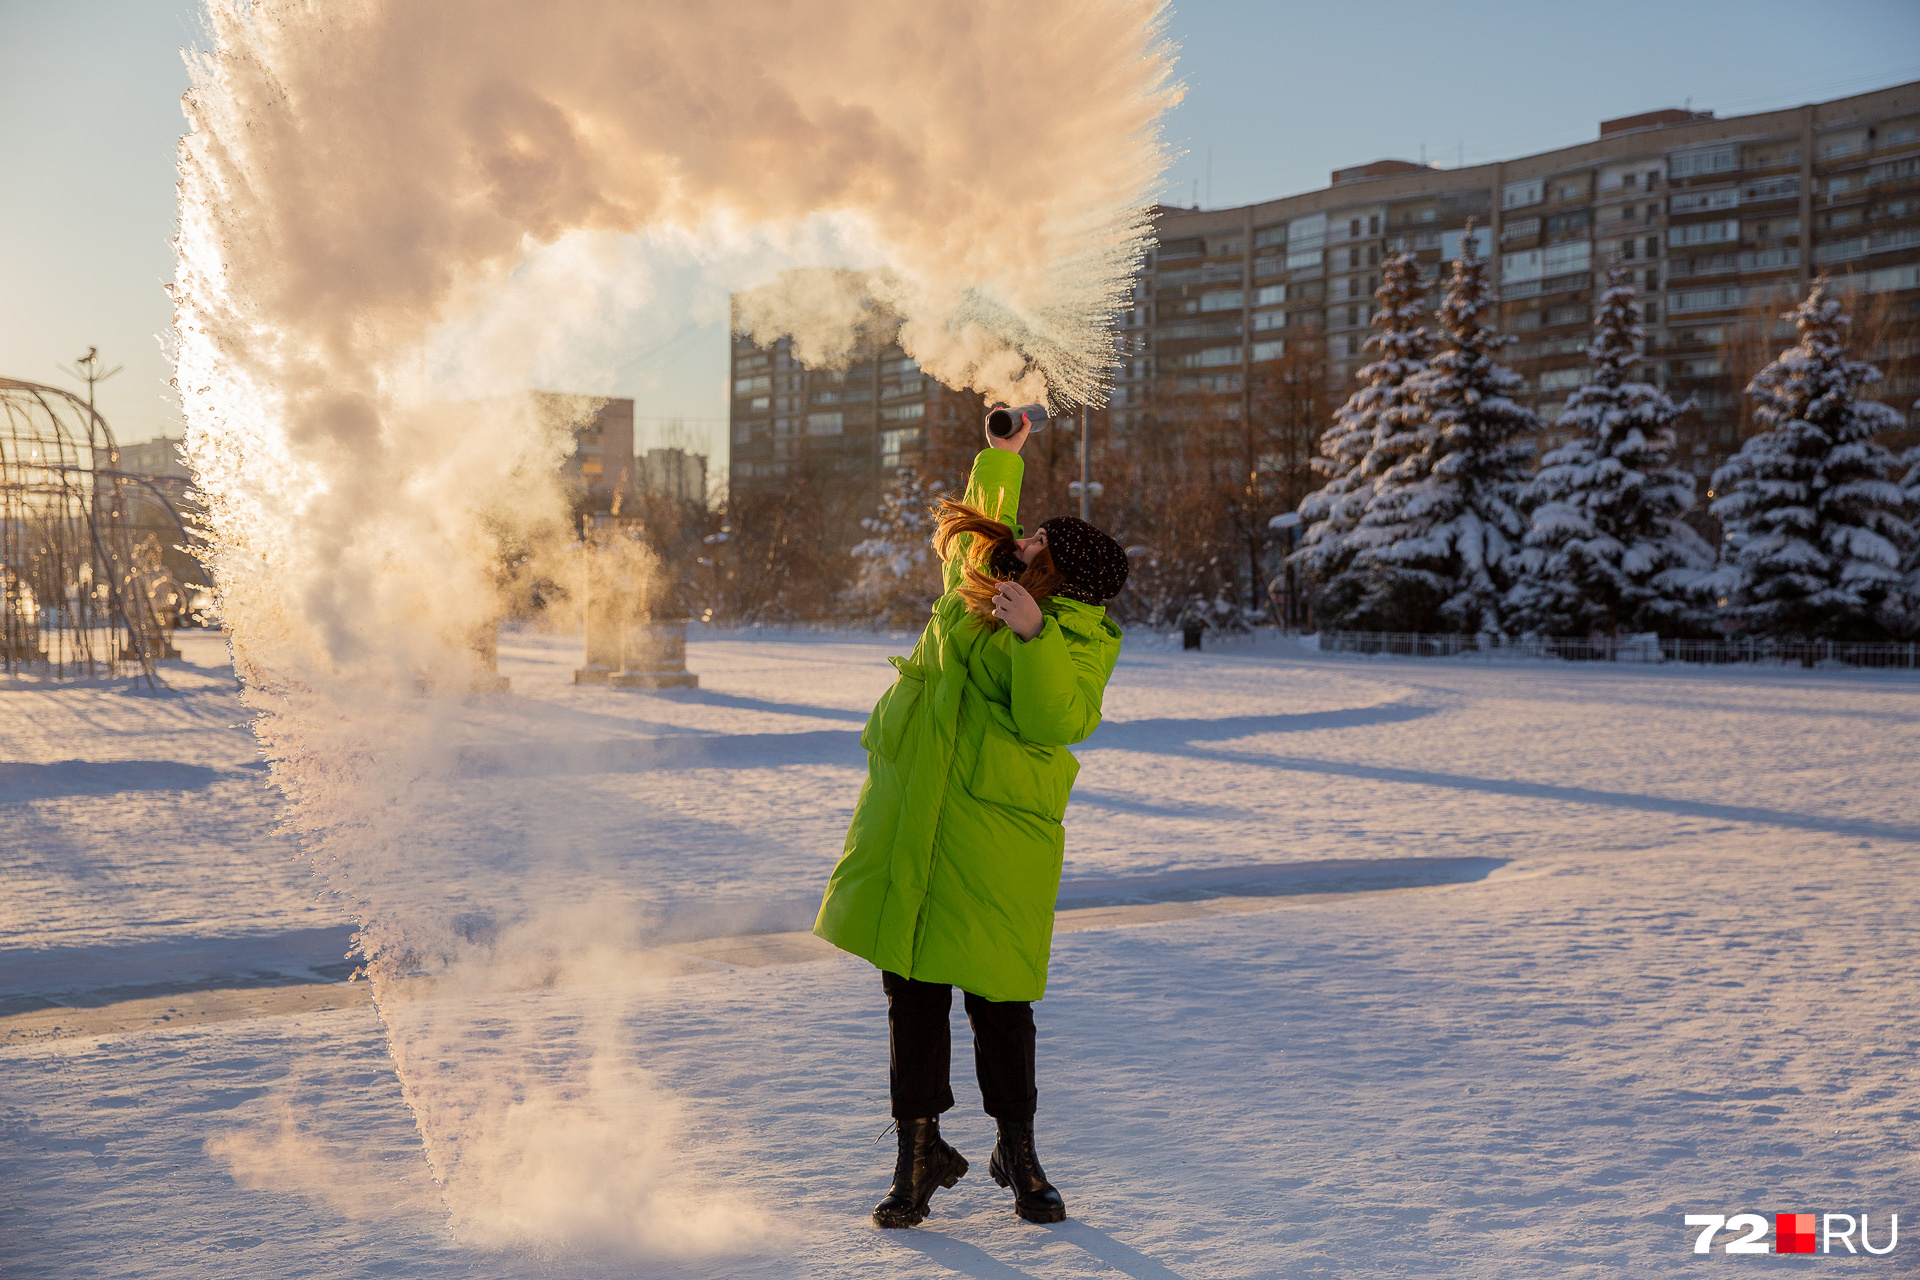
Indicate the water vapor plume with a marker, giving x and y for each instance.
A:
(397, 218)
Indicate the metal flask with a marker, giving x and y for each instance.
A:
(1003, 422)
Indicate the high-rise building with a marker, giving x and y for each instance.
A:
(601, 467)
(672, 473)
(856, 425)
(1721, 224)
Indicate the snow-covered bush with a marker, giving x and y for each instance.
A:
(1607, 550)
(1817, 529)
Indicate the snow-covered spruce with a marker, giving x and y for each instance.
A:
(1369, 431)
(1607, 550)
(896, 578)
(1817, 529)
(1910, 485)
(1443, 523)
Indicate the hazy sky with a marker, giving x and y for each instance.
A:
(1278, 93)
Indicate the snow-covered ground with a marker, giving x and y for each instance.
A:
(1652, 952)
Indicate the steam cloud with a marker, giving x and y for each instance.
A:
(395, 214)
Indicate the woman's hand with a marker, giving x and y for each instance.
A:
(1016, 607)
(1010, 443)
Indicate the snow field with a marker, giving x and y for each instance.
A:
(1687, 989)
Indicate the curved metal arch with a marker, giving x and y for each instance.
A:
(65, 538)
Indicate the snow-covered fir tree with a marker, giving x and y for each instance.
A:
(896, 577)
(1817, 528)
(1443, 522)
(1351, 449)
(1911, 487)
(1607, 550)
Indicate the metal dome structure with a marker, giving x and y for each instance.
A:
(82, 589)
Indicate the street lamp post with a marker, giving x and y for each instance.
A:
(1086, 498)
(1288, 524)
(1084, 489)
(87, 369)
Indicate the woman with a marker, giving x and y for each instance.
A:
(952, 862)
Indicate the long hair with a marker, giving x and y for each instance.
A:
(979, 579)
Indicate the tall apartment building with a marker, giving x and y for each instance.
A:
(1722, 224)
(601, 466)
(856, 424)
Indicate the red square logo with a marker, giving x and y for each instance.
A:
(1793, 1233)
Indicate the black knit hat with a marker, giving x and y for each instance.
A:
(1094, 564)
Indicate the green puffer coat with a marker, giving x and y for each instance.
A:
(952, 863)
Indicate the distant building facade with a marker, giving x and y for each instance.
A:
(857, 424)
(1720, 223)
(155, 458)
(672, 473)
(601, 466)
(162, 504)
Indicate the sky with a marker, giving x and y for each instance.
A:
(1278, 95)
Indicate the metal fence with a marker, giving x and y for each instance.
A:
(1896, 654)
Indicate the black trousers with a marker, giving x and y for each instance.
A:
(920, 1050)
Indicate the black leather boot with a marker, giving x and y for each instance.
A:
(925, 1164)
(1015, 1164)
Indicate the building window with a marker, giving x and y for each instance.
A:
(1519, 229)
(1562, 379)
(1704, 201)
(1353, 228)
(825, 424)
(1517, 195)
(1307, 233)
(1211, 357)
(1270, 295)
(1373, 225)
(1269, 350)
(1576, 255)
(1626, 249)
(1705, 233)
(1263, 320)
(892, 443)
(1692, 164)
(1771, 189)
(1226, 300)
(1452, 241)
